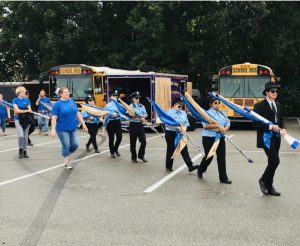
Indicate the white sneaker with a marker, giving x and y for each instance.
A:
(67, 164)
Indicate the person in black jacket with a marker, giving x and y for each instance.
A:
(272, 111)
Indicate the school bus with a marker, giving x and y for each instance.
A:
(84, 80)
(242, 84)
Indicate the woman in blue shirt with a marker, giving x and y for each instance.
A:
(208, 139)
(64, 122)
(4, 115)
(181, 117)
(92, 124)
(22, 119)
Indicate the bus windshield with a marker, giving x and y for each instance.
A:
(79, 86)
(233, 87)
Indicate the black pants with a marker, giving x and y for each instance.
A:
(93, 130)
(273, 161)
(136, 130)
(170, 139)
(31, 130)
(114, 127)
(221, 157)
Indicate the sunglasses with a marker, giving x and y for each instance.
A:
(216, 102)
(273, 91)
(136, 98)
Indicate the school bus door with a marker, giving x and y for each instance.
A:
(99, 90)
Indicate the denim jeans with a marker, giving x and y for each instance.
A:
(22, 135)
(3, 123)
(43, 123)
(69, 141)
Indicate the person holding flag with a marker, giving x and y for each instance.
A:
(179, 116)
(136, 128)
(92, 123)
(209, 134)
(114, 126)
(43, 122)
(272, 111)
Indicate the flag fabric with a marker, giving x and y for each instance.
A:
(129, 110)
(7, 104)
(240, 110)
(253, 116)
(122, 110)
(164, 117)
(180, 140)
(94, 110)
(47, 106)
(200, 114)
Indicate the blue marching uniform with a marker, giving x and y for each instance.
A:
(208, 139)
(170, 136)
(137, 131)
(113, 128)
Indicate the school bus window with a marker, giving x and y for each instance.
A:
(98, 84)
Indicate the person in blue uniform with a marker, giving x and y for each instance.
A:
(92, 124)
(208, 138)
(64, 122)
(4, 116)
(136, 128)
(42, 121)
(179, 116)
(22, 118)
(114, 126)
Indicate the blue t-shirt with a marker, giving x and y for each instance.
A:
(66, 112)
(3, 111)
(45, 100)
(22, 104)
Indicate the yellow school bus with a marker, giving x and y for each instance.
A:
(242, 84)
(84, 80)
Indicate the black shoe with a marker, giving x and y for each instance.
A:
(134, 161)
(273, 192)
(169, 169)
(263, 186)
(117, 153)
(87, 148)
(97, 151)
(20, 153)
(192, 168)
(25, 154)
(112, 156)
(226, 181)
(30, 144)
(200, 175)
(143, 159)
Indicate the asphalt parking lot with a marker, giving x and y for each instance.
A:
(104, 201)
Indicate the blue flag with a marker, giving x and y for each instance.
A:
(193, 110)
(164, 117)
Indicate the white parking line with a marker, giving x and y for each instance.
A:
(60, 165)
(169, 176)
(7, 150)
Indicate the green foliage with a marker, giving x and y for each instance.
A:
(194, 38)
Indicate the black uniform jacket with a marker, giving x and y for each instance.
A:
(263, 108)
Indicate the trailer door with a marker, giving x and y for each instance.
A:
(162, 94)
